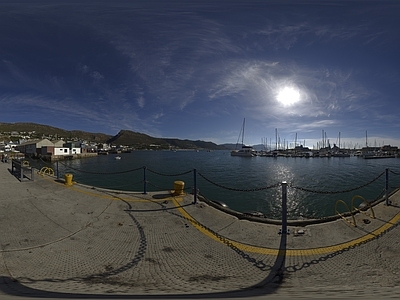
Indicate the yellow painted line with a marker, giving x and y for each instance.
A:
(251, 248)
(241, 246)
(289, 252)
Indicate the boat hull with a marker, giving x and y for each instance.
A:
(242, 153)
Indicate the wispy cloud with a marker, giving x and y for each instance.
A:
(137, 65)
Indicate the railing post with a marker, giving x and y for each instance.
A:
(22, 171)
(284, 208)
(58, 173)
(144, 181)
(387, 187)
(195, 187)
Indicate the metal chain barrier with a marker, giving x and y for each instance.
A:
(174, 175)
(336, 192)
(393, 172)
(278, 184)
(102, 173)
(240, 190)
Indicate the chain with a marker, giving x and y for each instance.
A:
(336, 192)
(393, 172)
(102, 173)
(174, 175)
(240, 190)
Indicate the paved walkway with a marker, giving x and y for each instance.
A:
(81, 242)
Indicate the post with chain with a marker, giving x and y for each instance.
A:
(387, 187)
(144, 181)
(194, 186)
(284, 229)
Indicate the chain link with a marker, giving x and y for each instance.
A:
(172, 175)
(335, 192)
(101, 173)
(240, 190)
(393, 172)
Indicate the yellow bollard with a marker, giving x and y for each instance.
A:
(178, 187)
(68, 179)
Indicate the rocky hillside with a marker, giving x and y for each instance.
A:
(39, 131)
(140, 140)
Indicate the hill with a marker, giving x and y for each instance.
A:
(135, 139)
(140, 140)
(124, 137)
(39, 131)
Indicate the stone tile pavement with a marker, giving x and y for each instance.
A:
(80, 242)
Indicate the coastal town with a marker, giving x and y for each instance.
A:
(51, 147)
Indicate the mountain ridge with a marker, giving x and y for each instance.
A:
(123, 137)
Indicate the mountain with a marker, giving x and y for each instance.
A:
(124, 137)
(135, 139)
(39, 131)
(140, 140)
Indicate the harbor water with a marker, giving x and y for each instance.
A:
(244, 184)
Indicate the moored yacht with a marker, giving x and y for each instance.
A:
(245, 151)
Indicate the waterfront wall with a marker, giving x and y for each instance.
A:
(53, 158)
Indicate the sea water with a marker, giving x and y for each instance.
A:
(244, 184)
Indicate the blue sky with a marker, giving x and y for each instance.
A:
(194, 69)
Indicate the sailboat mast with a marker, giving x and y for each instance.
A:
(244, 120)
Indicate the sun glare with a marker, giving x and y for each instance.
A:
(288, 96)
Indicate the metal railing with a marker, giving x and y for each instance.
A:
(195, 184)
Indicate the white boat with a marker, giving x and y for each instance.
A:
(118, 157)
(245, 151)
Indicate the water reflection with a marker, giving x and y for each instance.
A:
(240, 182)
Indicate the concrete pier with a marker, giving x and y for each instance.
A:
(80, 242)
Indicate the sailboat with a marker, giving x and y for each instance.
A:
(245, 151)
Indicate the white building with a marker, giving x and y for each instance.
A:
(49, 148)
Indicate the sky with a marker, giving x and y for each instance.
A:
(195, 69)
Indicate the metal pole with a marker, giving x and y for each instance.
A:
(284, 208)
(58, 173)
(195, 187)
(387, 186)
(144, 181)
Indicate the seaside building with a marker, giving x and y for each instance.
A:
(56, 150)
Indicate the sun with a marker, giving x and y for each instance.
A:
(288, 96)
